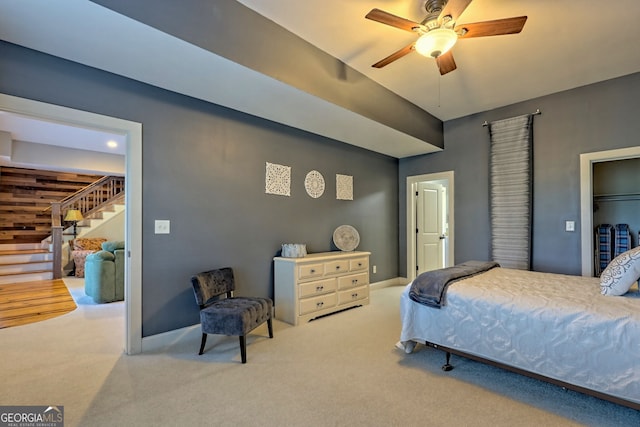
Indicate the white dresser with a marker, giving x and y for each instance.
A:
(319, 284)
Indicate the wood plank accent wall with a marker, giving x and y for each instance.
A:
(24, 196)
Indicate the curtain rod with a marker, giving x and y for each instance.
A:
(536, 113)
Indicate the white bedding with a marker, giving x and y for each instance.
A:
(555, 325)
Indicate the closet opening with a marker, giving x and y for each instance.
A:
(609, 194)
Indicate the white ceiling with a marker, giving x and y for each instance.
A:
(28, 129)
(563, 45)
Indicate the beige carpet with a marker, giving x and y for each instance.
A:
(341, 370)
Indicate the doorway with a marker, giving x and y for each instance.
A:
(587, 161)
(430, 222)
(133, 196)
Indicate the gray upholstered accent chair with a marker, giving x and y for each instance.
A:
(233, 316)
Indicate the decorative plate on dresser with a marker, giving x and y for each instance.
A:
(346, 238)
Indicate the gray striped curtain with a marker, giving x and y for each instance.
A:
(511, 191)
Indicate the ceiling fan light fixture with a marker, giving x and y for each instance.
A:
(436, 42)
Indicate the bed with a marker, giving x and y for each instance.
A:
(555, 327)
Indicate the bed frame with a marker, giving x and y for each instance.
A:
(448, 367)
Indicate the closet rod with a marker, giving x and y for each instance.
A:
(535, 113)
(616, 198)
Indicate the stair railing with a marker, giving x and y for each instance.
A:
(88, 200)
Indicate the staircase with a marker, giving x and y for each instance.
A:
(88, 227)
(25, 262)
(24, 259)
(26, 196)
(97, 219)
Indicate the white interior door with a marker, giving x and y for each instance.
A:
(430, 230)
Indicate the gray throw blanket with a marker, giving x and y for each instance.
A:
(429, 288)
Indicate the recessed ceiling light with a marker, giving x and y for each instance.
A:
(112, 144)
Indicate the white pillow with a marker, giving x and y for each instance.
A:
(621, 273)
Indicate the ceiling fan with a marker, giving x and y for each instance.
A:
(438, 31)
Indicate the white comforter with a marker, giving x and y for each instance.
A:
(555, 325)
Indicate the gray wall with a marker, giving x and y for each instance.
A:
(204, 169)
(598, 117)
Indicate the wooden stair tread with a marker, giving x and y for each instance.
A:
(20, 273)
(23, 251)
(8, 264)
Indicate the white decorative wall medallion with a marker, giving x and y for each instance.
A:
(344, 187)
(314, 184)
(278, 179)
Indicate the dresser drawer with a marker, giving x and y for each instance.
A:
(310, 271)
(336, 267)
(309, 305)
(354, 294)
(317, 287)
(353, 280)
(359, 264)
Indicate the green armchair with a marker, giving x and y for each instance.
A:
(104, 273)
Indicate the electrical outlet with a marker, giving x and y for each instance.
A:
(569, 226)
(162, 226)
(374, 269)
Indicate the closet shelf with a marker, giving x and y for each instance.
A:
(616, 197)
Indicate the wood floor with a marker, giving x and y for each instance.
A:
(23, 303)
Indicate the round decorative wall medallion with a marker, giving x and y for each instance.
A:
(314, 184)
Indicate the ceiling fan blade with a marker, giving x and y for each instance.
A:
(446, 63)
(393, 20)
(394, 56)
(453, 8)
(491, 28)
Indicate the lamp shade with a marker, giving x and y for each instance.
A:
(73, 215)
(436, 42)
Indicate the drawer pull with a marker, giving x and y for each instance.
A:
(337, 267)
(319, 288)
(354, 281)
(354, 295)
(319, 304)
(312, 271)
(359, 264)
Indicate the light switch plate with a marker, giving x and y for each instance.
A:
(570, 226)
(162, 226)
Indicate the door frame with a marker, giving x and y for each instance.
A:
(133, 196)
(446, 179)
(586, 198)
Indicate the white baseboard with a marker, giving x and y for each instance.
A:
(158, 342)
(397, 281)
